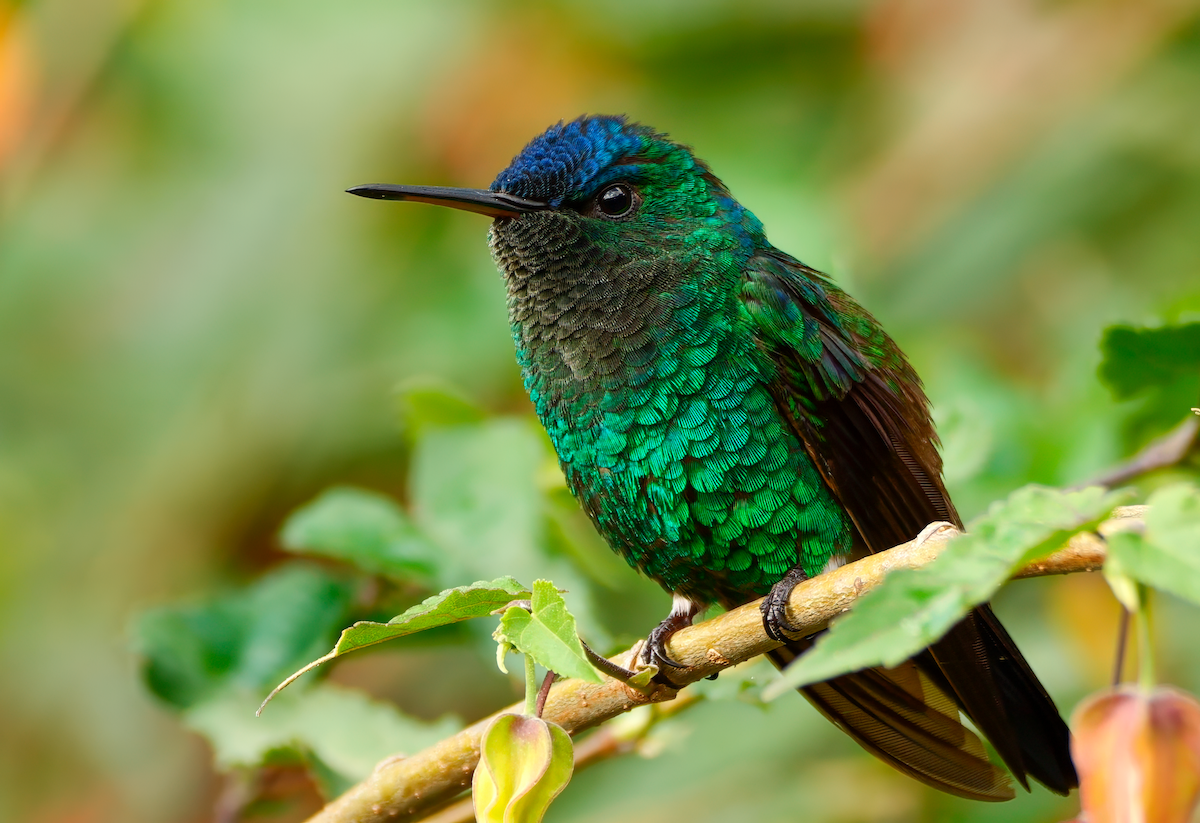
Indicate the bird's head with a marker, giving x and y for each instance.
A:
(617, 186)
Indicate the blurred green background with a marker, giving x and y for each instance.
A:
(199, 332)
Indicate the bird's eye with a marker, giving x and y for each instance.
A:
(616, 200)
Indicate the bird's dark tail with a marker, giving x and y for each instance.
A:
(1003, 697)
(908, 716)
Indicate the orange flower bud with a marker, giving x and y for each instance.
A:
(524, 762)
(1137, 752)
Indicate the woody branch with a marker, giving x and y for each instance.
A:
(408, 788)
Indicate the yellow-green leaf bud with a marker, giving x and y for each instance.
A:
(524, 762)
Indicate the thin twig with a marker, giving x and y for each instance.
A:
(404, 789)
(1122, 643)
(1169, 450)
(543, 693)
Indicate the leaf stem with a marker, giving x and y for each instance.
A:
(1146, 678)
(531, 686)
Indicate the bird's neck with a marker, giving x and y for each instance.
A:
(594, 325)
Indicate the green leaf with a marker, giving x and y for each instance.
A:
(1136, 359)
(427, 402)
(442, 609)
(474, 489)
(642, 678)
(968, 439)
(548, 634)
(1128, 593)
(1167, 556)
(450, 606)
(343, 730)
(365, 529)
(1160, 366)
(246, 639)
(915, 607)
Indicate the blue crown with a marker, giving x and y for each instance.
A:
(562, 161)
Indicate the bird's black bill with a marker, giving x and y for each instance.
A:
(480, 201)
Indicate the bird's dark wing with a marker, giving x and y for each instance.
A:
(853, 399)
(859, 408)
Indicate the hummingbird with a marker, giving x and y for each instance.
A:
(733, 423)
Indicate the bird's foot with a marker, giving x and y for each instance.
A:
(654, 651)
(683, 612)
(774, 605)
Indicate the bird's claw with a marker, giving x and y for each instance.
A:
(654, 650)
(774, 606)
